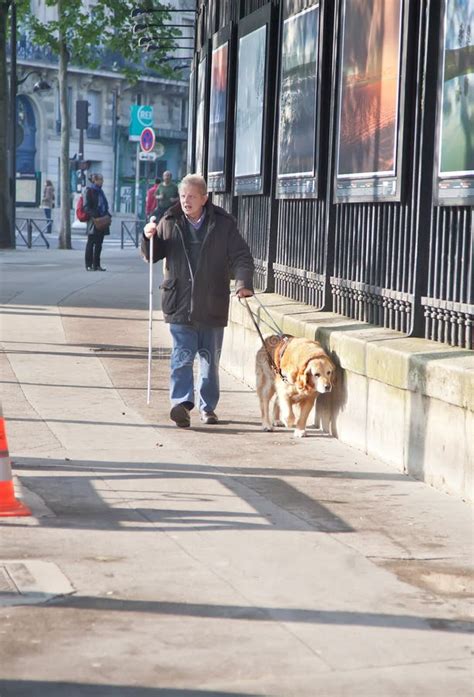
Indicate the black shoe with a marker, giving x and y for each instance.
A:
(99, 268)
(209, 417)
(90, 268)
(181, 416)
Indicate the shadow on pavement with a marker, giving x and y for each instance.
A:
(71, 492)
(40, 688)
(265, 614)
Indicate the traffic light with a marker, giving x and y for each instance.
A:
(82, 114)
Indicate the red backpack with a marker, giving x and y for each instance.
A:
(81, 213)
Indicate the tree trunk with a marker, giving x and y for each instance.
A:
(5, 207)
(65, 186)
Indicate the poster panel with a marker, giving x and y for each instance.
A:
(369, 99)
(250, 103)
(191, 144)
(200, 116)
(456, 112)
(218, 109)
(298, 86)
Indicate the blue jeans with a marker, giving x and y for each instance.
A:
(47, 213)
(187, 342)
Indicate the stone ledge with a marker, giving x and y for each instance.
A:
(418, 365)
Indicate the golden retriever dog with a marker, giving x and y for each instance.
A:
(301, 370)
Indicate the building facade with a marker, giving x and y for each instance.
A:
(106, 142)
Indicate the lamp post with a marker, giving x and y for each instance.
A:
(39, 86)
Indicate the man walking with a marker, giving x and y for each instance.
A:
(202, 248)
(150, 202)
(166, 195)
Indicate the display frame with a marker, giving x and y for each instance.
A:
(255, 183)
(299, 184)
(376, 186)
(219, 180)
(191, 120)
(202, 118)
(455, 188)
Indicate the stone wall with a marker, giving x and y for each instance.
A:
(406, 401)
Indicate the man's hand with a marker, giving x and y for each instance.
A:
(150, 228)
(244, 293)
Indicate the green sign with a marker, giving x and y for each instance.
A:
(141, 116)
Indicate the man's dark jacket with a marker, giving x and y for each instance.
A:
(202, 297)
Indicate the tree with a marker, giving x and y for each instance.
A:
(81, 33)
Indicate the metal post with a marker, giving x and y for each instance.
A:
(13, 90)
(81, 155)
(150, 320)
(137, 181)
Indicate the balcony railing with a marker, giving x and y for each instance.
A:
(114, 61)
(93, 132)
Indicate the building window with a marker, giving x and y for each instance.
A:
(95, 114)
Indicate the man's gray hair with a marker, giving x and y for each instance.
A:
(194, 180)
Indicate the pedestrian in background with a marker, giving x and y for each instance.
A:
(202, 249)
(98, 225)
(48, 204)
(150, 203)
(166, 195)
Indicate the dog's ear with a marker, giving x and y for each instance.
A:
(304, 381)
(333, 373)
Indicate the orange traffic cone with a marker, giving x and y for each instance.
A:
(9, 505)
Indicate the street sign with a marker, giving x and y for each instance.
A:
(147, 139)
(147, 156)
(141, 116)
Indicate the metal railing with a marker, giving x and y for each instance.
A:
(449, 304)
(130, 232)
(404, 263)
(29, 230)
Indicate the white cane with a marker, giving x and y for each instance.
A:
(150, 317)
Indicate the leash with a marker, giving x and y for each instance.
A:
(271, 360)
(275, 328)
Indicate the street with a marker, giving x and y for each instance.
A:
(220, 561)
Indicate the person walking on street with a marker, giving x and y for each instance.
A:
(48, 204)
(166, 195)
(98, 225)
(150, 203)
(202, 249)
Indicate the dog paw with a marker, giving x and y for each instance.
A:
(299, 433)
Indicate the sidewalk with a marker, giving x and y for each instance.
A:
(220, 561)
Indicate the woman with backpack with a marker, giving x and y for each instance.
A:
(98, 223)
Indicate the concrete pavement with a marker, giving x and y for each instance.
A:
(220, 561)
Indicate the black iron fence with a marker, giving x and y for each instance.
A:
(30, 232)
(391, 248)
(130, 232)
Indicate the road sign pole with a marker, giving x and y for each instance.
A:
(137, 182)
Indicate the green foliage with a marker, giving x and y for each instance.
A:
(91, 30)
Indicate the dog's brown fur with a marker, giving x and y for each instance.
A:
(307, 371)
